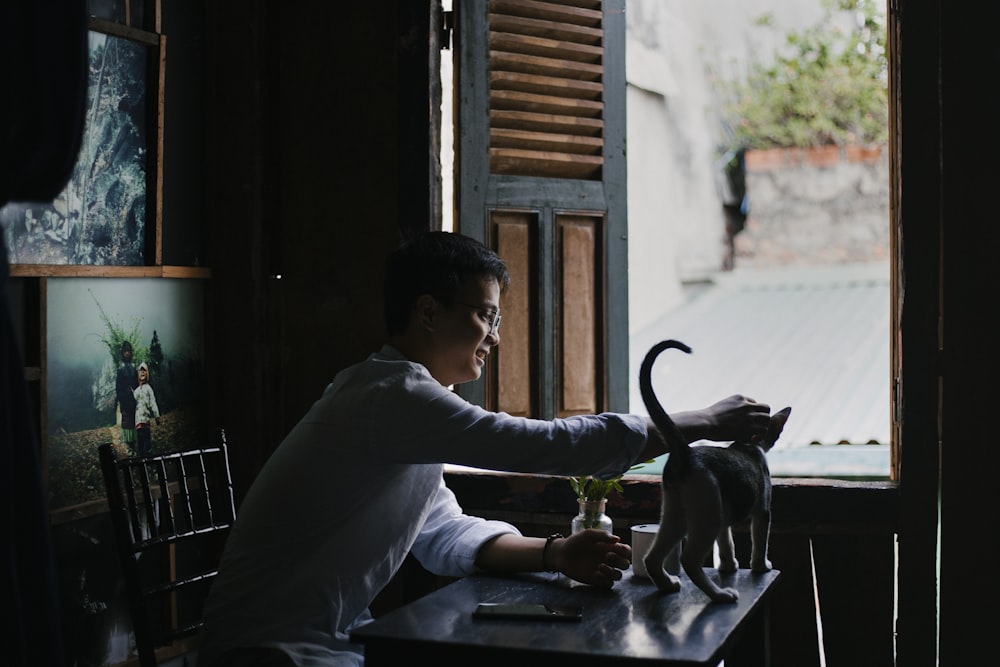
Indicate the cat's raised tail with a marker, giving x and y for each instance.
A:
(675, 439)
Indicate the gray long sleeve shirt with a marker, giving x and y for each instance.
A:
(358, 483)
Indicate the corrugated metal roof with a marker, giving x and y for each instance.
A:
(813, 338)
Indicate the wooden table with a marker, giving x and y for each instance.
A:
(631, 623)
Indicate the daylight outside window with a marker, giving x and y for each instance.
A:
(758, 170)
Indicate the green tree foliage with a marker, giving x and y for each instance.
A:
(117, 333)
(155, 354)
(826, 87)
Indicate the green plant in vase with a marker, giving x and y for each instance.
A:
(591, 496)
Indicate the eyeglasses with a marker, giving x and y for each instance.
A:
(488, 316)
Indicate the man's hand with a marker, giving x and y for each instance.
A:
(737, 418)
(591, 556)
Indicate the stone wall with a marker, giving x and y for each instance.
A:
(825, 205)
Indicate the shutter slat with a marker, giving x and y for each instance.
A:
(556, 30)
(507, 100)
(546, 48)
(546, 141)
(580, 13)
(542, 122)
(546, 85)
(541, 163)
(514, 62)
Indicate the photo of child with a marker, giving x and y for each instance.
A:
(146, 410)
(123, 356)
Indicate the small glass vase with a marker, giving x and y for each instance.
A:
(592, 516)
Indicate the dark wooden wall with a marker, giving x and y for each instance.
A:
(970, 236)
(317, 158)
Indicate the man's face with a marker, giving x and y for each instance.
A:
(127, 354)
(463, 333)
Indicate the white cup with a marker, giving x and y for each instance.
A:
(642, 538)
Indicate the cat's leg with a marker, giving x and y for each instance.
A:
(760, 530)
(702, 497)
(727, 551)
(696, 549)
(665, 543)
(666, 540)
(673, 562)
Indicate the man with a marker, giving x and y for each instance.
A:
(357, 484)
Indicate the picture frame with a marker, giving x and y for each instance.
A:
(107, 214)
(126, 12)
(87, 322)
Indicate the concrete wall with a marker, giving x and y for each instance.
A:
(817, 206)
(674, 47)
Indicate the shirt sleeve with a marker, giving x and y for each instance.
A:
(449, 539)
(432, 424)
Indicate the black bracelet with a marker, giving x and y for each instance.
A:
(545, 549)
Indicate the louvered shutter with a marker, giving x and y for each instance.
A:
(546, 67)
(540, 177)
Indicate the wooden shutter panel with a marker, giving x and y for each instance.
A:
(540, 166)
(546, 101)
(579, 339)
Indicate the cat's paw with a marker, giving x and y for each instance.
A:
(764, 566)
(665, 582)
(727, 595)
(728, 566)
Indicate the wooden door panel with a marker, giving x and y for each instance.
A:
(580, 314)
(513, 360)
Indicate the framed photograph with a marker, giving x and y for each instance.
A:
(124, 364)
(105, 214)
(126, 12)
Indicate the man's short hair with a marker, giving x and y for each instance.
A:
(435, 263)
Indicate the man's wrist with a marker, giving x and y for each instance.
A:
(694, 425)
(547, 555)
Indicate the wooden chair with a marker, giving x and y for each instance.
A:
(171, 514)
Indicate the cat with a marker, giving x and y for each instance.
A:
(707, 489)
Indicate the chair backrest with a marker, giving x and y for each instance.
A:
(171, 514)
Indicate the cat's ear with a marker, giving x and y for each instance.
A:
(778, 420)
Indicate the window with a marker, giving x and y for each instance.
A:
(807, 338)
(773, 264)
